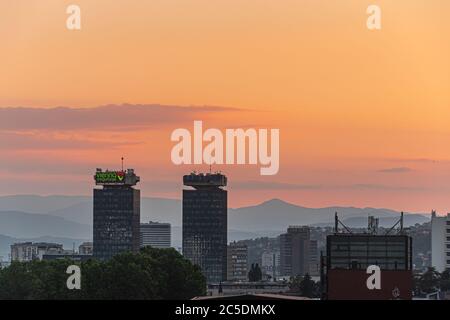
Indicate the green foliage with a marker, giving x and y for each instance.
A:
(445, 280)
(307, 286)
(294, 284)
(255, 273)
(150, 274)
(304, 286)
(431, 281)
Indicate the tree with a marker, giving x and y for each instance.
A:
(149, 274)
(429, 281)
(15, 282)
(126, 276)
(307, 286)
(255, 273)
(294, 284)
(444, 282)
(416, 284)
(304, 286)
(183, 279)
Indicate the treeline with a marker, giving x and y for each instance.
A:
(431, 281)
(149, 274)
(304, 286)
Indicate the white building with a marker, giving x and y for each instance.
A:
(440, 241)
(270, 263)
(155, 234)
(86, 248)
(27, 251)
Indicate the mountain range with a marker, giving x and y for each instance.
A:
(69, 218)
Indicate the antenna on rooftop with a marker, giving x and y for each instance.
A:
(338, 222)
(399, 222)
(373, 225)
(122, 164)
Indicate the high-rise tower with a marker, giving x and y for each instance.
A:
(205, 224)
(116, 213)
(295, 245)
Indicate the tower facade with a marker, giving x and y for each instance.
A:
(295, 246)
(205, 224)
(440, 242)
(116, 213)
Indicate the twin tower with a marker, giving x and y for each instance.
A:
(117, 219)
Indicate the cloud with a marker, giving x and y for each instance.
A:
(35, 141)
(363, 186)
(107, 118)
(263, 185)
(396, 170)
(414, 160)
(48, 166)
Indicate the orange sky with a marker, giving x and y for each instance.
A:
(363, 115)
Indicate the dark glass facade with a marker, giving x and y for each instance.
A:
(205, 227)
(295, 255)
(116, 221)
(357, 252)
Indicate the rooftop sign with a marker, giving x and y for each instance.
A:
(110, 177)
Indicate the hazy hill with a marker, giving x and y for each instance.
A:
(38, 204)
(155, 209)
(71, 217)
(277, 215)
(274, 214)
(30, 225)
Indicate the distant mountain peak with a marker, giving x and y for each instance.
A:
(275, 201)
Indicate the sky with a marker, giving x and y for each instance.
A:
(363, 115)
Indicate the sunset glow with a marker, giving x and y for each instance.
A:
(363, 115)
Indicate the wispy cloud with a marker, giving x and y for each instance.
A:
(266, 185)
(109, 118)
(36, 141)
(414, 160)
(273, 185)
(396, 170)
(368, 186)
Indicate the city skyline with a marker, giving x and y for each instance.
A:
(362, 115)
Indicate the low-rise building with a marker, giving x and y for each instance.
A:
(155, 234)
(238, 288)
(28, 251)
(85, 248)
(67, 254)
(237, 254)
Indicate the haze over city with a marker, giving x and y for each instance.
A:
(363, 116)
